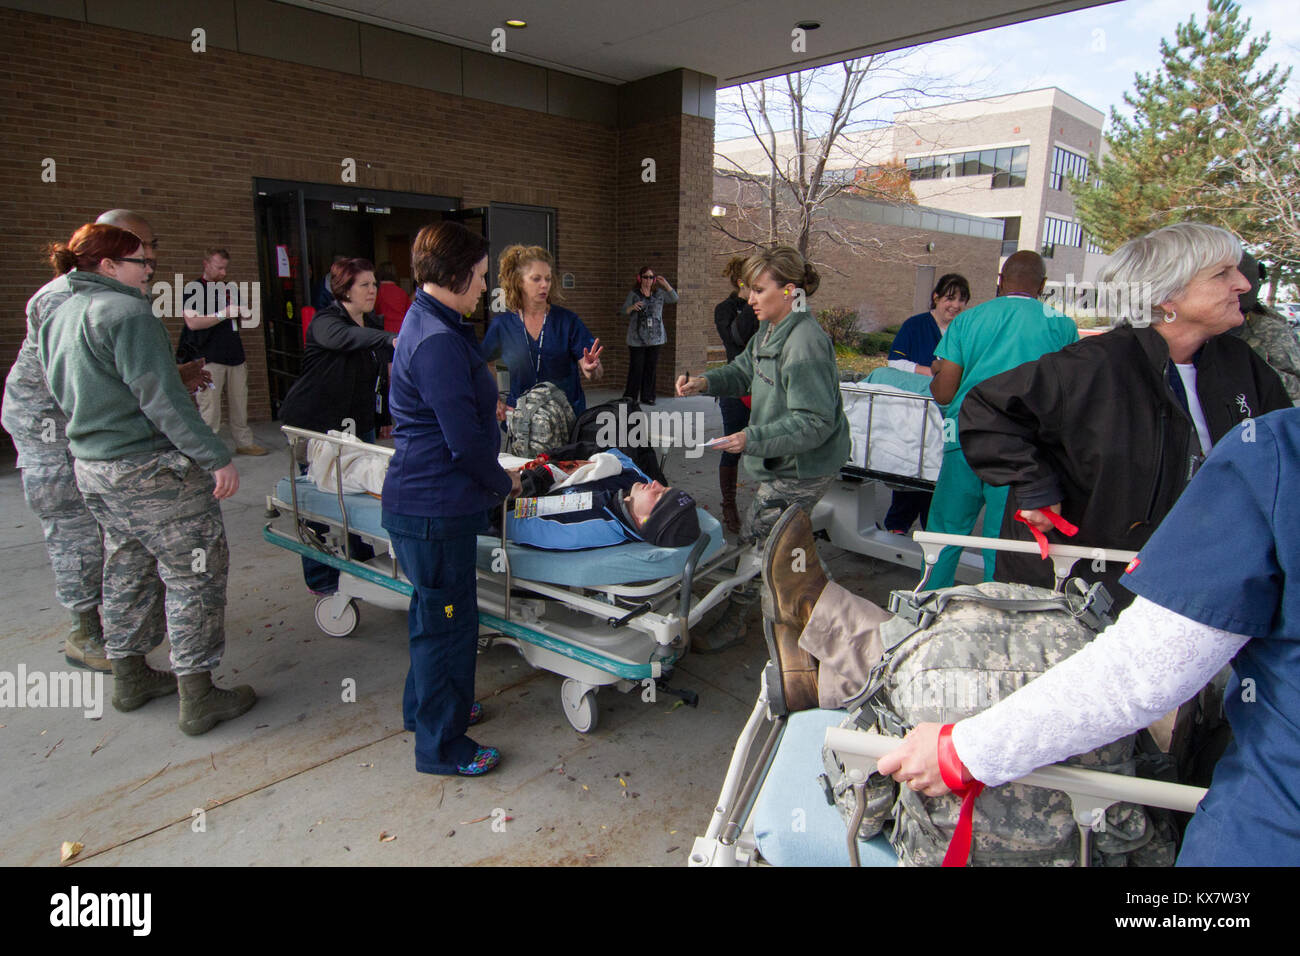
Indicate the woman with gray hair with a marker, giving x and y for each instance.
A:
(1108, 432)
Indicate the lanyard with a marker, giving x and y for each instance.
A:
(541, 337)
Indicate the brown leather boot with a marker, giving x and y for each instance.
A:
(793, 580)
(727, 483)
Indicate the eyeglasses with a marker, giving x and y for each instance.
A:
(147, 263)
(650, 277)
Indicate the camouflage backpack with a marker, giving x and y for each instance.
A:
(542, 420)
(955, 652)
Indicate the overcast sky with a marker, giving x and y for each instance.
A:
(1091, 54)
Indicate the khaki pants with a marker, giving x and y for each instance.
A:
(843, 633)
(233, 380)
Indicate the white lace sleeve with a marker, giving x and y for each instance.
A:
(1138, 669)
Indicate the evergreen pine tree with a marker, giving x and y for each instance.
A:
(1179, 157)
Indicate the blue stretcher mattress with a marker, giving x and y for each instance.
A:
(619, 564)
(792, 785)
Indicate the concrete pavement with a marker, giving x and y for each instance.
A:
(309, 778)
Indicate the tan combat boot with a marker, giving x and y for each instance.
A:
(84, 645)
(204, 705)
(135, 683)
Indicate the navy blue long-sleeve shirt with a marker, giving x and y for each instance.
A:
(443, 400)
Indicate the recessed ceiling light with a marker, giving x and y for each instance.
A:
(517, 24)
(808, 25)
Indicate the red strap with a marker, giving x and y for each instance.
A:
(1059, 523)
(951, 768)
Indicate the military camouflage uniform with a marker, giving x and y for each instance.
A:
(1273, 340)
(773, 497)
(145, 477)
(160, 520)
(38, 428)
(970, 657)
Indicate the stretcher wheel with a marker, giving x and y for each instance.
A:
(342, 626)
(579, 706)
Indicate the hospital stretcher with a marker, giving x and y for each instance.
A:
(773, 810)
(617, 615)
(896, 429)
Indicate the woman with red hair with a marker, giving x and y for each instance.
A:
(150, 471)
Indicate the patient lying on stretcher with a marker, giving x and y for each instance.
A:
(608, 501)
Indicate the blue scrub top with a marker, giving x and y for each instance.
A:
(1228, 555)
(916, 340)
(562, 341)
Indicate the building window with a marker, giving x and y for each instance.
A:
(1010, 234)
(1060, 232)
(1066, 164)
(1007, 165)
(1010, 165)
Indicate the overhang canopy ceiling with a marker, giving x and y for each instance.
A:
(618, 41)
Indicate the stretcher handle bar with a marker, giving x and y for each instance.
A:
(1072, 780)
(295, 432)
(739, 811)
(1075, 551)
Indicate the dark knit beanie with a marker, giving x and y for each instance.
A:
(672, 522)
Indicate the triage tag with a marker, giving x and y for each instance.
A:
(553, 505)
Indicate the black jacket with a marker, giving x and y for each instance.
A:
(1097, 427)
(736, 324)
(340, 373)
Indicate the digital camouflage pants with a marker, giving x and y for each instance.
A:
(72, 536)
(768, 504)
(160, 521)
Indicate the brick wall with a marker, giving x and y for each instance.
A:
(879, 280)
(141, 122)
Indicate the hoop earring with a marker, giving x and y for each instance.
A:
(1170, 316)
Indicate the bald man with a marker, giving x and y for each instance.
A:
(987, 340)
(38, 428)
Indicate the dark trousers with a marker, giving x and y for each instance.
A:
(437, 556)
(735, 416)
(642, 363)
(905, 507)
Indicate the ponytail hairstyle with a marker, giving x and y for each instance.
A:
(734, 271)
(510, 276)
(785, 266)
(91, 244)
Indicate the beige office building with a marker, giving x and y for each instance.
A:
(1009, 158)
